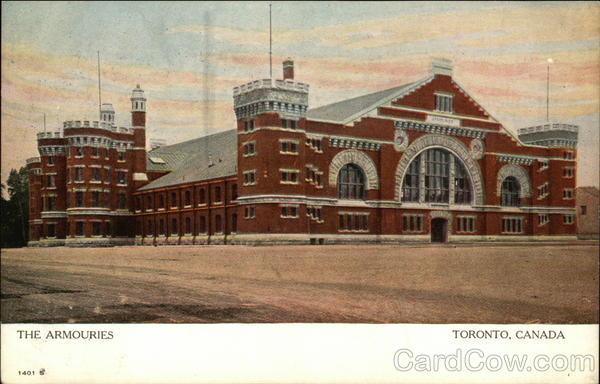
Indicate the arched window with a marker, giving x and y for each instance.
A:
(428, 179)
(510, 192)
(351, 183)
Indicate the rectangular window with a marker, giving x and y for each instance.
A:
(412, 223)
(410, 187)
(568, 172)
(568, 155)
(96, 174)
(79, 199)
(107, 200)
(248, 125)
(51, 203)
(202, 196)
(79, 228)
(51, 228)
(95, 152)
(78, 152)
(161, 227)
(543, 190)
(202, 228)
(95, 199)
(249, 149)
(121, 156)
(217, 194)
(289, 211)
(289, 176)
(234, 192)
(356, 222)
(107, 175)
(96, 228)
(543, 219)
(79, 174)
(249, 212)
(437, 175)
(249, 177)
(512, 225)
(173, 200)
(568, 219)
(122, 178)
(51, 181)
(50, 160)
(568, 193)
(288, 147)
(583, 210)
(174, 230)
(543, 165)
(188, 198)
(150, 206)
(465, 224)
(122, 200)
(443, 103)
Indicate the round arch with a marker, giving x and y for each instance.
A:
(355, 157)
(451, 144)
(518, 173)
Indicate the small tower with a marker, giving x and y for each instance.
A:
(550, 135)
(138, 107)
(107, 113)
(138, 123)
(287, 97)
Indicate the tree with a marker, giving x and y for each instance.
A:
(15, 211)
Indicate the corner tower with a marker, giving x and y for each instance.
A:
(271, 117)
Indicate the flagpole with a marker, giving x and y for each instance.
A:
(99, 91)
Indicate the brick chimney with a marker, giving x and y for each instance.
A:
(288, 69)
(441, 66)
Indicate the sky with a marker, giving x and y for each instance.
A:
(188, 56)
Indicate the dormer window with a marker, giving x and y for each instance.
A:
(443, 102)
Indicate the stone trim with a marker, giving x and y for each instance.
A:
(449, 143)
(355, 157)
(518, 173)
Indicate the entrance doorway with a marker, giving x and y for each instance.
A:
(439, 230)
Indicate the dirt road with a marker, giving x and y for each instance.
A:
(364, 284)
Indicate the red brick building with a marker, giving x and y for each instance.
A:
(418, 162)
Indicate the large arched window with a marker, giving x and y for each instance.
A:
(429, 179)
(510, 192)
(351, 183)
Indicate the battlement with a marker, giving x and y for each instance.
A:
(549, 127)
(289, 85)
(96, 124)
(550, 135)
(49, 135)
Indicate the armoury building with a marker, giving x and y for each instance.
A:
(419, 162)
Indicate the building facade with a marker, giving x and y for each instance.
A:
(418, 162)
(588, 213)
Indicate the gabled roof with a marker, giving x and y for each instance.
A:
(347, 110)
(204, 158)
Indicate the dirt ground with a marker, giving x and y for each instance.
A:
(550, 283)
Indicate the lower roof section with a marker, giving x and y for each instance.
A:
(205, 158)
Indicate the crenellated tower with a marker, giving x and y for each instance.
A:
(270, 121)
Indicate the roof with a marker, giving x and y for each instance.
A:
(345, 110)
(204, 158)
(591, 190)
